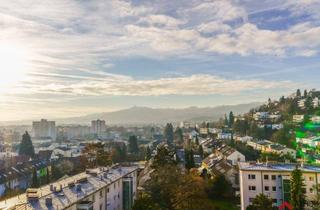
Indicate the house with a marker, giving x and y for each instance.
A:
(230, 154)
(261, 145)
(261, 116)
(224, 136)
(244, 139)
(297, 118)
(217, 165)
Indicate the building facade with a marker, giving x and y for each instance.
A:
(273, 180)
(98, 126)
(107, 188)
(44, 129)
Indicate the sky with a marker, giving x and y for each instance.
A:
(70, 58)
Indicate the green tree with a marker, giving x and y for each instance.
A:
(178, 136)
(168, 133)
(164, 157)
(189, 158)
(298, 197)
(35, 181)
(219, 188)
(305, 93)
(231, 119)
(197, 140)
(298, 94)
(200, 151)
(133, 145)
(145, 202)
(261, 202)
(26, 147)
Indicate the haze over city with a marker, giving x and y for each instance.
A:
(72, 58)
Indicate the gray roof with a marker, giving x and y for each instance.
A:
(285, 167)
(70, 195)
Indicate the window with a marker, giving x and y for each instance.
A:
(251, 176)
(265, 177)
(252, 188)
(273, 177)
(311, 178)
(250, 200)
(108, 190)
(311, 190)
(101, 193)
(114, 185)
(266, 188)
(274, 188)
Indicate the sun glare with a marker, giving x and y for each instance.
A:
(13, 64)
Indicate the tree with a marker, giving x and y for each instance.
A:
(168, 133)
(26, 147)
(305, 93)
(219, 188)
(133, 145)
(170, 189)
(197, 140)
(261, 202)
(200, 151)
(35, 181)
(163, 157)
(231, 119)
(298, 197)
(226, 123)
(189, 158)
(178, 136)
(298, 94)
(145, 202)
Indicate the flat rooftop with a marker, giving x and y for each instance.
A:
(285, 167)
(68, 196)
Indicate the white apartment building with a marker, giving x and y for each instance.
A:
(96, 189)
(44, 129)
(273, 180)
(98, 126)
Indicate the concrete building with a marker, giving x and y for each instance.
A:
(273, 180)
(98, 126)
(44, 129)
(99, 189)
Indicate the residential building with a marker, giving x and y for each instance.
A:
(298, 118)
(44, 129)
(99, 189)
(261, 145)
(316, 102)
(244, 139)
(261, 116)
(230, 154)
(98, 126)
(302, 103)
(273, 180)
(315, 119)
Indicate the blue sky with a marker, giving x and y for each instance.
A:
(70, 58)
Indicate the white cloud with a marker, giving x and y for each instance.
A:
(110, 84)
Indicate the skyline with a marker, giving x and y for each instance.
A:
(64, 59)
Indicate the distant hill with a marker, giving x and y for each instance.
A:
(145, 115)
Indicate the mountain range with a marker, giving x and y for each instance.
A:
(145, 115)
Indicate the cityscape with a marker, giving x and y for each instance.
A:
(160, 105)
